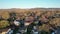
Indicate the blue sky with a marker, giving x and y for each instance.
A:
(5, 4)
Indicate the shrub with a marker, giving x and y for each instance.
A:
(4, 24)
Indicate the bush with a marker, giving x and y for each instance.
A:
(4, 24)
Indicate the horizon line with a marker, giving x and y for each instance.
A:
(29, 8)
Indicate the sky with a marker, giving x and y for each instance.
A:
(6, 4)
